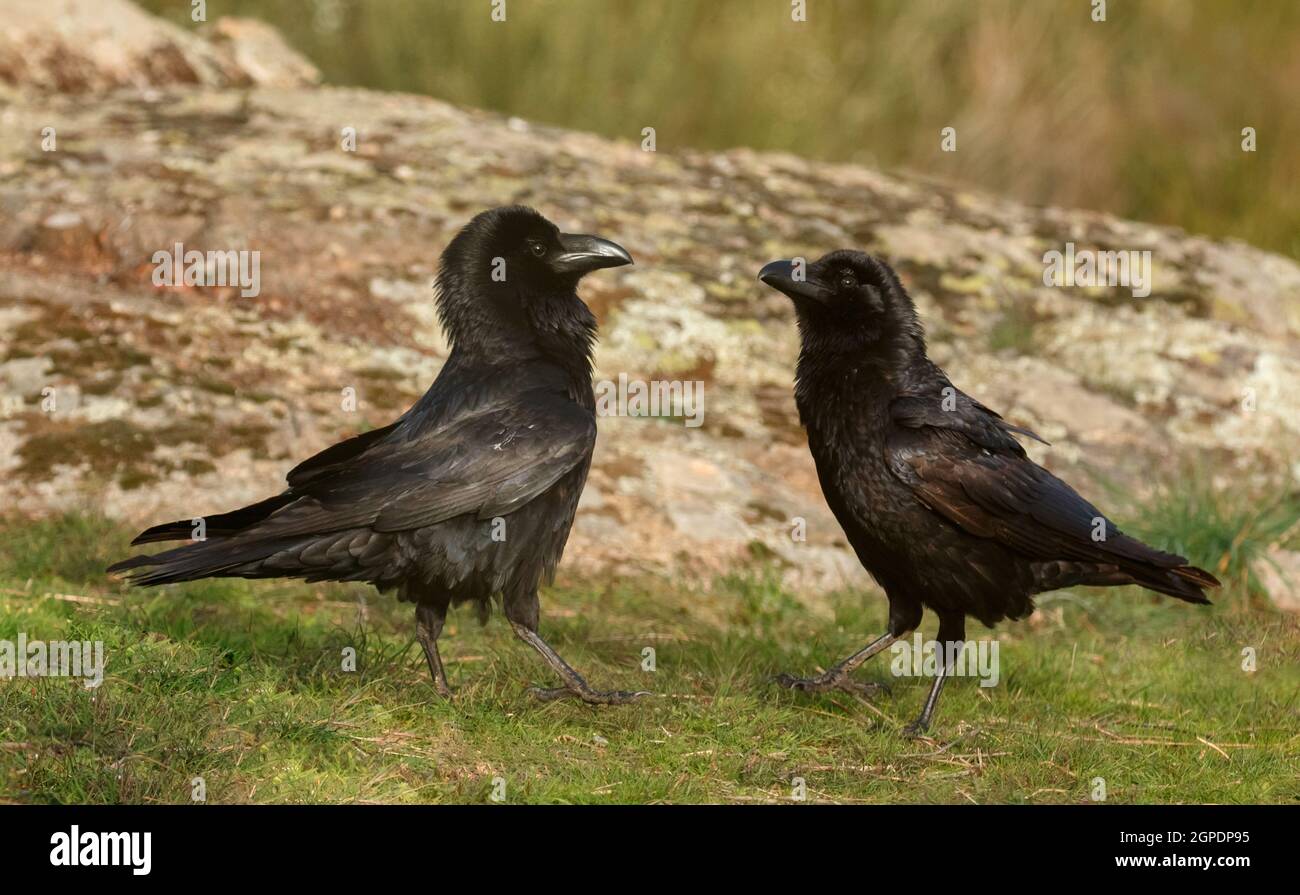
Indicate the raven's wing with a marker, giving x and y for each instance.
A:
(964, 464)
(221, 525)
(337, 456)
(338, 524)
(950, 408)
(488, 462)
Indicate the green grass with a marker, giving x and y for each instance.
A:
(241, 684)
(1238, 527)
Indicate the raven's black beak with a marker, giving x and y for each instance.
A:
(791, 278)
(583, 254)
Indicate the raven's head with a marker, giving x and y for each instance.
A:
(510, 275)
(848, 301)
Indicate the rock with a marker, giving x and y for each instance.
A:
(66, 238)
(260, 53)
(1278, 572)
(22, 379)
(223, 394)
(77, 46)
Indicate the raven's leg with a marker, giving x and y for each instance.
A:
(904, 616)
(952, 629)
(522, 614)
(837, 676)
(574, 685)
(428, 625)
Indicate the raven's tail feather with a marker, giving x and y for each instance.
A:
(222, 525)
(200, 559)
(217, 553)
(1198, 577)
(1157, 570)
(343, 555)
(1183, 582)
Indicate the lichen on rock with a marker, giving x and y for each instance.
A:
(231, 145)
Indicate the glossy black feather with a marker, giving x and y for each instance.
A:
(472, 492)
(932, 488)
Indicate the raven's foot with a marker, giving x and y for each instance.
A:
(587, 695)
(574, 684)
(838, 676)
(831, 681)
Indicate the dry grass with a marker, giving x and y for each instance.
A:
(1140, 115)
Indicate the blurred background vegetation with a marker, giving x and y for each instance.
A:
(1140, 115)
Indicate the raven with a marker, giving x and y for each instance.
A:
(931, 487)
(469, 496)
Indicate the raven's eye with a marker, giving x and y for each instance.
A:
(537, 248)
(848, 281)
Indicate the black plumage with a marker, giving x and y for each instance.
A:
(934, 492)
(469, 496)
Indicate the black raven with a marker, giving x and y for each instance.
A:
(935, 494)
(470, 494)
